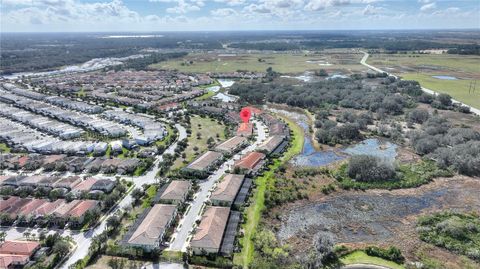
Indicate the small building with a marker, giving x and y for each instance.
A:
(176, 192)
(15, 254)
(104, 185)
(227, 190)
(251, 163)
(272, 144)
(149, 231)
(77, 213)
(232, 145)
(208, 236)
(205, 162)
(245, 129)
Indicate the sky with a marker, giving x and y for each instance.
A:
(228, 15)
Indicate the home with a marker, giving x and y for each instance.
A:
(226, 191)
(104, 185)
(205, 162)
(150, 229)
(209, 233)
(273, 144)
(251, 163)
(232, 145)
(175, 192)
(77, 213)
(16, 253)
(245, 129)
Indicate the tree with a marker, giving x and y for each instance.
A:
(61, 248)
(113, 222)
(369, 168)
(3, 235)
(137, 194)
(322, 249)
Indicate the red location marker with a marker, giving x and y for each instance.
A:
(245, 114)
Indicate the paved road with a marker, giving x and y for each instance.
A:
(364, 62)
(187, 223)
(83, 240)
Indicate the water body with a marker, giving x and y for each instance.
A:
(311, 157)
(445, 77)
(214, 88)
(225, 98)
(337, 76)
(305, 77)
(226, 83)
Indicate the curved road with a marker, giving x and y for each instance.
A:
(364, 63)
(83, 240)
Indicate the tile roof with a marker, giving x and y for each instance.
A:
(85, 185)
(250, 160)
(153, 225)
(228, 188)
(202, 162)
(81, 208)
(48, 208)
(19, 247)
(245, 129)
(8, 260)
(176, 190)
(209, 233)
(31, 207)
(271, 143)
(231, 143)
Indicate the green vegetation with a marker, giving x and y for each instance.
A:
(150, 193)
(360, 257)
(4, 148)
(406, 176)
(283, 63)
(167, 138)
(464, 67)
(456, 232)
(206, 96)
(254, 211)
(202, 129)
(458, 89)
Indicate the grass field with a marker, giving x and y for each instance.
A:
(254, 211)
(360, 257)
(282, 62)
(458, 89)
(4, 148)
(207, 127)
(465, 68)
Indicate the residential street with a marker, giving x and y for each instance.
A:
(186, 225)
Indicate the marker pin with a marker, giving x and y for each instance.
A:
(245, 114)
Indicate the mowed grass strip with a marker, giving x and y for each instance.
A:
(458, 89)
(360, 257)
(206, 127)
(254, 211)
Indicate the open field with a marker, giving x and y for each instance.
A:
(458, 89)
(207, 128)
(347, 62)
(360, 257)
(254, 211)
(422, 67)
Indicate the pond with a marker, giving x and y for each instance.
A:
(224, 97)
(312, 157)
(213, 88)
(445, 77)
(226, 83)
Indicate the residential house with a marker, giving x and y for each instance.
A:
(273, 144)
(226, 191)
(232, 145)
(245, 129)
(151, 230)
(14, 253)
(209, 233)
(205, 162)
(251, 163)
(176, 192)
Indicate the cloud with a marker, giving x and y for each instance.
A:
(231, 2)
(223, 12)
(370, 10)
(183, 7)
(428, 7)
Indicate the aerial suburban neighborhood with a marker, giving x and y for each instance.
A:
(257, 134)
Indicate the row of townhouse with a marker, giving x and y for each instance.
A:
(55, 100)
(42, 210)
(152, 227)
(44, 124)
(76, 118)
(17, 254)
(23, 138)
(63, 185)
(152, 130)
(74, 164)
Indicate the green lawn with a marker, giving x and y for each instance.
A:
(458, 89)
(254, 211)
(4, 148)
(280, 62)
(207, 127)
(360, 257)
(150, 192)
(167, 137)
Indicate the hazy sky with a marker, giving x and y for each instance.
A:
(172, 15)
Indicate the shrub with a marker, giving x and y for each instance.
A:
(391, 253)
(369, 168)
